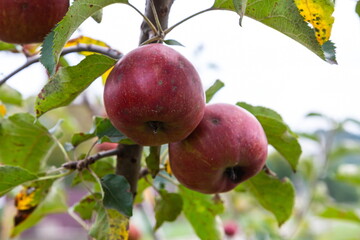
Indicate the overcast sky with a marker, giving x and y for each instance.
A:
(258, 64)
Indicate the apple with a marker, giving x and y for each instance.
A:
(28, 21)
(134, 232)
(105, 146)
(228, 147)
(154, 96)
(230, 228)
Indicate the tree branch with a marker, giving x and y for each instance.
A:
(163, 9)
(81, 164)
(78, 48)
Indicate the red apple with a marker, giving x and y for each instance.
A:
(105, 146)
(134, 232)
(154, 96)
(230, 228)
(28, 21)
(228, 147)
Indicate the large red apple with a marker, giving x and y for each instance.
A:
(154, 95)
(28, 21)
(228, 147)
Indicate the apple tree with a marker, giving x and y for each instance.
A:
(156, 159)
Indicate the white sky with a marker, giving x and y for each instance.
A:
(258, 64)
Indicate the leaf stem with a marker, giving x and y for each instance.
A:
(185, 19)
(54, 176)
(151, 25)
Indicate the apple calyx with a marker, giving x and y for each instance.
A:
(155, 126)
(235, 174)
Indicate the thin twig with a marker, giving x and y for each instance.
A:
(78, 48)
(81, 164)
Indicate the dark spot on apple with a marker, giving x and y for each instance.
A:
(155, 126)
(215, 121)
(235, 174)
(24, 6)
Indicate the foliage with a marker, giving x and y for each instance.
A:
(40, 154)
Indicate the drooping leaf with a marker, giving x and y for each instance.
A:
(11, 177)
(69, 82)
(340, 214)
(211, 91)
(78, 12)
(319, 14)
(117, 194)
(86, 206)
(283, 16)
(201, 211)
(277, 132)
(10, 95)
(110, 225)
(24, 142)
(53, 202)
(153, 160)
(239, 6)
(275, 195)
(167, 208)
(98, 16)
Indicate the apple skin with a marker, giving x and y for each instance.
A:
(105, 146)
(228, 147)
(230, 228)
(154, 96)
(28, 21)
(134, 233)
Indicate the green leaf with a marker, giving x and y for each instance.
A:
(275, 195)
(10, 95)
(106, 132)
(210, 92)
(173, 42)
(81, 137)
(357, 8)
(7, 46)
(283, 16)
(153, 160)
(349, 173)
(69, 82)
(86, 206)
(167, 208)
(78, 12)
(340, 214)
(239, 6)
(277, 132)
(201, 211)
(11, 177)
(117, 194)
(24, 142)
(110, 225)
(54, 202)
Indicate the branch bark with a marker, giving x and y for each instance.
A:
(162, 10)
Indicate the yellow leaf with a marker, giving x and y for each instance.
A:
(119, 225)
(167, 167)
(85, 40)
(2, 110)
(319, 14)
(105, 75)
